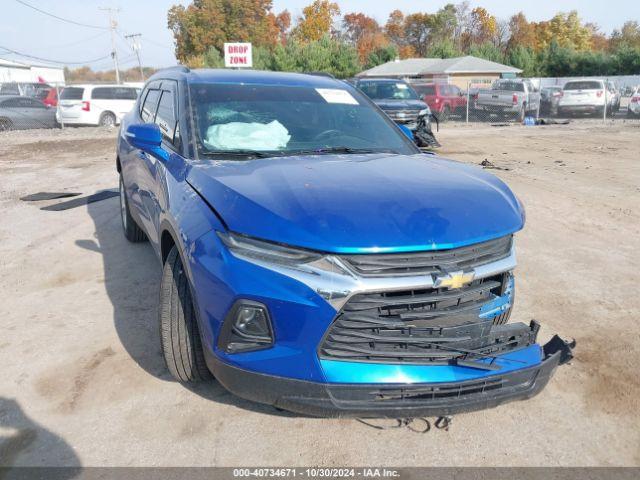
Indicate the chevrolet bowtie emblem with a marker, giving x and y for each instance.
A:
(454, 279)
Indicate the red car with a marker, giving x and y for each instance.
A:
(51, 100)
(443, 100)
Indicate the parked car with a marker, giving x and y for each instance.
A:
(443, 99)
(514, 97)
(95, 104)
(314, 259)
(583, 97)
(397, 99)
(21, 113)
(27, 89)
(549, 98)
(633, 110)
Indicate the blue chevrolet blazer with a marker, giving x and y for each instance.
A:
(314, 259)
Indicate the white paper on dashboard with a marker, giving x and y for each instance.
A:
(335, 95)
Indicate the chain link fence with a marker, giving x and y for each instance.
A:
(533, 100)
(504, 101)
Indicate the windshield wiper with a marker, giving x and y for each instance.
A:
(239, 153)
(349, 150)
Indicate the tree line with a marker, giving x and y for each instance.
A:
(322, 38)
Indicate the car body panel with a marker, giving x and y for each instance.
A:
(327, 202)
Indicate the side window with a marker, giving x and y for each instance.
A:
(102, 93)
(148, 111)
(124, 93)
(166, 117)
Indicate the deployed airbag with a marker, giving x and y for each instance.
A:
(247, 136)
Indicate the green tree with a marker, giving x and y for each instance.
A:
(524, 58)
(382, 55)
(443, 49)
(209, 23)
(488, 51)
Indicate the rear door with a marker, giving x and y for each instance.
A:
(35, 113)
(11, 112)
(70, 103)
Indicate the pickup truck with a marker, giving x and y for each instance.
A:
(511, 97)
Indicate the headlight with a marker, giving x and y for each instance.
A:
(424, 112)
(267, 251)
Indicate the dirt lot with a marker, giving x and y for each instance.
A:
(82, 378)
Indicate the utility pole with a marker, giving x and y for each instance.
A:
(112, 27)
(135, 45)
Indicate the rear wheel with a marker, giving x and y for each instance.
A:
(132, 231)
(107, 119)
(179, 335)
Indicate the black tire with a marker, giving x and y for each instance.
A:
(107, 119)
(5, 125)
(132, 231)
(179, 335)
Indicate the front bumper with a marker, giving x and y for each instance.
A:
(392, 400)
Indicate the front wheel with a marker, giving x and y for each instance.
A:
(179, 335)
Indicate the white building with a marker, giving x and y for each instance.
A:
(11, 71)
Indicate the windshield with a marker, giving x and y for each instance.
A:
(286, 120)
(388, 90)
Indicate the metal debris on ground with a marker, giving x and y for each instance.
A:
(40, 196)
(78, 202)
(487, 164)
(416, 425)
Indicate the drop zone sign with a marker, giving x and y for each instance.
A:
(238, 55)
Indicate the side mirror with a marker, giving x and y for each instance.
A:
(408, 133)
(148, 138)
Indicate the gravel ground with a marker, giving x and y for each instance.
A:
(83, 380)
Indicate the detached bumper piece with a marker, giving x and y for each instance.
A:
(393, 401)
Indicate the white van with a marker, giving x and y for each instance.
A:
(95, 104)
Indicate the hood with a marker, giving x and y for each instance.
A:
(390, 104)
(359, 203)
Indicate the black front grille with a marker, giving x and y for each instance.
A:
(427, 263)
(423, 326)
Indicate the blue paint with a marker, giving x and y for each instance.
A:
(334, 203)
(356, 372)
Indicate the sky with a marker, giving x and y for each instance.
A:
(29, 32)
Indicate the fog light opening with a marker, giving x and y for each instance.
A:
(246, 328)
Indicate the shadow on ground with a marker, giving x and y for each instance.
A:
(24, 438)
(132, 276)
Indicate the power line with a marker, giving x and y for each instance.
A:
(73, 22)
(53, 61)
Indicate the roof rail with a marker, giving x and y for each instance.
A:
(320, 74)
